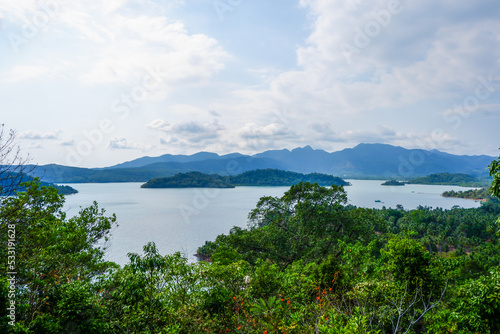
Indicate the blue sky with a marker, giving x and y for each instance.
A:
(96, 83)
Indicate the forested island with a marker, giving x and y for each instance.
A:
(393, 183)
(189, 180)
(259, 177)
(477, 194)
(448, 179)
(10, 184)
(275, 177)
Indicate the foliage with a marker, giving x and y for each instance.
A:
(478, 308)
(479, 194)
(7, 187)
(275, 177)
(259, 177)
(393, 183)
(494, 168)
(50, 251)
(459, 179)
(189, 180)
(307, 263)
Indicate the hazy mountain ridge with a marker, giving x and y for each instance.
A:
(363, 161)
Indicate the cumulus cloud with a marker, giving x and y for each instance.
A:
(256, 138)
(191, 131)
(124, 144)
(33, 134)
(382, 134)
(273, 130)
(69, 142)
(404, 62)
(27, 72)
(116, 45)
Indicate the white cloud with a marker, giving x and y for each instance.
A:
(273, 130)
(406, 62)
(27, 72)
(110, 44)
(188, 131)
(124, 144)
(70, 142)
(33, 134)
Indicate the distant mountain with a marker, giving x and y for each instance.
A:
(222, 166)
(395, 162)
(378, 160)
(200, 156)
(363, 161)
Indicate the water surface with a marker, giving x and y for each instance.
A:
(183, 219)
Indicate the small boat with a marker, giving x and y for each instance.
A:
(378, 201)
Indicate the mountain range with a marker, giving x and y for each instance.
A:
(363, 161)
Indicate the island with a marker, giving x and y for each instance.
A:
(259, 177)
(277, 177)
(393, 183)
(62, 189)
(481, 194)
(448, 179)
(12, 183)
(189, 180)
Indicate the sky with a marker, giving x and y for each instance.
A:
(96, 83)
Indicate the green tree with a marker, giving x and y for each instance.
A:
(150, 293)
(479, 304)
(50, 250)
(494, 168)
(305, 222)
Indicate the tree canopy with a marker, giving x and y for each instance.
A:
(308, 262)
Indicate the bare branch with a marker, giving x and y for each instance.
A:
(13, 166)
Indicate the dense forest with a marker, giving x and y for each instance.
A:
(393, 183)
(479, 194)
(275, 177)
(307, 263)
(189, 180)
(459, 179)
(259, 177)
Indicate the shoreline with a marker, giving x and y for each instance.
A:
(475, 199)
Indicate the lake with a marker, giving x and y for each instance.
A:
(183, 219)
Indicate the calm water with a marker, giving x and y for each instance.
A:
(183, 219)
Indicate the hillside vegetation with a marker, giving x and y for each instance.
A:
(307, 263)
(259, 177)
(365, 161)
(459, 179)
(189, 180)
(393, 183)
(479, 194)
